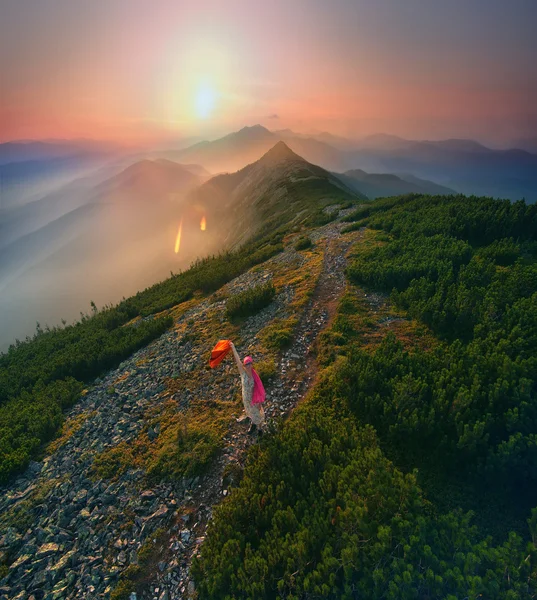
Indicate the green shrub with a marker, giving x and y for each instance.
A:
(251, 301)
(347, 305)
(266, 369)
(358, 215)
(31, 419)
(470, 404)
(503, 252)
(279, 334)
(187, 447)
(354, 227)
(303, 243)
(321, 512)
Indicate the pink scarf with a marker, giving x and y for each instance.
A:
(258, 395)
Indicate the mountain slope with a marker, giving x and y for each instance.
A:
(281, 186)
(112, 416)
(148, 181)
(100, 242)
(378, 444)
(126, 241)
(230, 152)
(464, 165)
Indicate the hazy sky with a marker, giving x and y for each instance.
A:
(154, 69)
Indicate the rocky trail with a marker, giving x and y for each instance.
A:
(71, 534)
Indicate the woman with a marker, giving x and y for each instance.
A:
(249, 381)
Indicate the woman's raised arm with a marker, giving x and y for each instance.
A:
(237, 358)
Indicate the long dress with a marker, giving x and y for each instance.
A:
(254, 411)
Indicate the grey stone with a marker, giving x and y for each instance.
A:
(59, 567)
(34, 467)
(159, 514)
(23, 559)
(185, 535)
(47, 549)
(80, 497)
(10, 539)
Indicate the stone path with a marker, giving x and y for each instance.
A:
(82, 532)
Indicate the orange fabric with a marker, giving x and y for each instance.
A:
(219, 352)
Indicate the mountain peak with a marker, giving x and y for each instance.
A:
(279, 153)
(256, 127)
(254, 130)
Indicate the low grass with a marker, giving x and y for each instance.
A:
(266, 369)
(114, 461)
(136, 577)
(189, 441)
(279, 334)
(21, 515)
(70, 426)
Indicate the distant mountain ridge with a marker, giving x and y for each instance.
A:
(235, 150)
(27, 150)
(462, 165)
(376, 185)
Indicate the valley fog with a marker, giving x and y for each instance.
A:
(95, 241)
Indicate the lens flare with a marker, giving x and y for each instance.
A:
(203, 224)
(178, 238)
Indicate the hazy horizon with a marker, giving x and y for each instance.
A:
(140, 73)
(171, 143)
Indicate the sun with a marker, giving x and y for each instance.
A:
(198, 82)
(205, 100)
